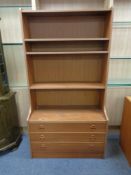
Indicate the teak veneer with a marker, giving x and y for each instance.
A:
(67, 56)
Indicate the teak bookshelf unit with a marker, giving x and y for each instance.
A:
(67, 55)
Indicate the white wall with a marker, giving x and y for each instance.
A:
(14, 55)
(120, 62)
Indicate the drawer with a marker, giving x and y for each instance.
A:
(67, 127)
(67, 147)
(67, 155)
(67, 137)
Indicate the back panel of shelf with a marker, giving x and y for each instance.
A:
(67, 99)
(67, 68)
(92, 24)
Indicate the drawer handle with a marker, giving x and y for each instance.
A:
(92, 138)
(93, 126)
(42, 127)
(42, 137)
(43, 146)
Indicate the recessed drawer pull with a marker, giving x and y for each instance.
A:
(42, 127)
(42, 137)
(92, 126)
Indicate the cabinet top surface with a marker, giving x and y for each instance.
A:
(67, 116)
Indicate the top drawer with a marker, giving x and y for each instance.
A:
(67, 127)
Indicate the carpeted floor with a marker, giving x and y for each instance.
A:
(19, 163)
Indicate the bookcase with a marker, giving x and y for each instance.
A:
(67, 56)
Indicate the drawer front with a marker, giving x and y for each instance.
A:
(67, 127)
(67, 155)
(67, 137)
(67, 147)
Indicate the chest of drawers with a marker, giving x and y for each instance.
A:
(65, 137)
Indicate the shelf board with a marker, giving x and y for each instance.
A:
(40, 86)
(67, 53)
(67, 115)
(66, 12)
(65, 39)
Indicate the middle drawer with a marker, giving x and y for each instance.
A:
(67, 137)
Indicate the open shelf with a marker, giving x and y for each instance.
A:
(67, 68)
(67, 53)
(66, 45)
(65, 98)
(67, 86)
(67, 115)
(70, 24)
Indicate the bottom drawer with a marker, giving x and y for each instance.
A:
(68, 147)
(67, 155)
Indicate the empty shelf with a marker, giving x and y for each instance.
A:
(67, 86)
